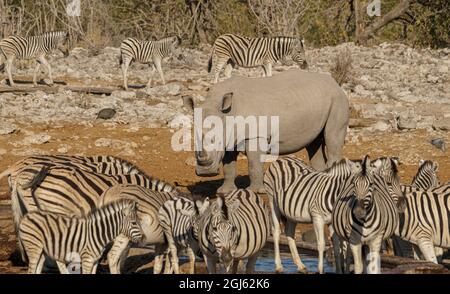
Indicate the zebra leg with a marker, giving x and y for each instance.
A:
(439, 253)
(125, 64)
(62, 267)
(290, 234)
(255, 168)
(228, 70)
(49, 69)
(36, 70)
(374, 266)
(167, 263)
(36, 262)
(191, 255)
(116, 253)
(234, 270)
(357, 257)
(337, 251)
(276, 233)
(250, 267)
(219, 64)
(427, 248)
(8, 68)
(157, 63)
(174, 256)
(320, 236)
(211, 263)
(267, 69)
(159, 256)
(152, 72)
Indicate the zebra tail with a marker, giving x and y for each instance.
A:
(18, 212)
(210, 62)
(36, 180)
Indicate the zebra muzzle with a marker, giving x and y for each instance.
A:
(359, 210)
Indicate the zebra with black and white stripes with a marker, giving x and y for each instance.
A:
(233, 228)
(60, 237)
(302, 195)
(70, 191)
(179, 219)
(33, 47)
(366, 214)
(231, 50)
(149, 202)
(148, 52)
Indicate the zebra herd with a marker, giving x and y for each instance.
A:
(64, 205)
(228, 50)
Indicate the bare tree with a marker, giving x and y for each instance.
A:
(278, 17)
(363, 33)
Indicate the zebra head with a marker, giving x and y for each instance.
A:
(298, 53)
(131, 224)
(387, 167)
(426, 176)
(363, 189)
(223, 234)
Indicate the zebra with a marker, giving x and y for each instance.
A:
(178, 218)
(425, 178)
(149, 52)
(426, 220)
(234, 227)
(33, 47)
(303, 195)
(60, 237)
(69, 191)
(231, 50)
(366, 214)
(150, 202)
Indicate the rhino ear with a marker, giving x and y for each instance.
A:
(227, 102)
(188, 102)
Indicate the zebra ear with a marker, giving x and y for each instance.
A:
(227, 102)
(366, 165)
(435, 166)
(421, 162)
(202, 205)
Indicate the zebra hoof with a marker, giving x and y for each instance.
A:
(302, 270)
(279, 270)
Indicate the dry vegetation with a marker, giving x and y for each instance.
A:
(319, 22)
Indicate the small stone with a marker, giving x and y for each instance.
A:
(191, 161)
(106, 113)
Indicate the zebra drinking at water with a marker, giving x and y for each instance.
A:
(302, 195)
(33, 47)
(178, 218)
(60, 237)
(230, 50)
(149, 52)
(366, 214)
(234, 227)
(149, 202)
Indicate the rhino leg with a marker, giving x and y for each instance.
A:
(255, 170)
(229, 172)
(335, 131)
(316, 153)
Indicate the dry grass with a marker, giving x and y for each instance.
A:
(342, 67)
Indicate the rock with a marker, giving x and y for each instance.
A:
(442, 124)
(7, 128)
(442, 69)
(179, 121)
(380, 126)
(3, 151)
(37, 139)
(115, 143)
(106, 113)
(195, 87)
(191, 161)
(168, 89)
(432, 79)
(439, 143)
(124, 94)
(406, 123)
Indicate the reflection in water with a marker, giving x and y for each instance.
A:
(266, 263)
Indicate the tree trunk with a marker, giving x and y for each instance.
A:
(395, 13)
(359, 23)
(196, 10)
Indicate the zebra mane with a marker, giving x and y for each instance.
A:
(172, 38)
(427, 164)
(54, 34)
(336, 165)
(114, 207)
